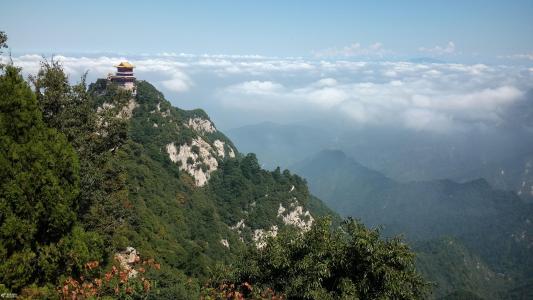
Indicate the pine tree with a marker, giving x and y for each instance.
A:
(39, 176)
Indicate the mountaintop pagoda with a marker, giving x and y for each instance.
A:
(124, 77)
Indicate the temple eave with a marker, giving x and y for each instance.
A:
(121, 77)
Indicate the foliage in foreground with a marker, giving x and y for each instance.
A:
(39, 176)
(349, 262)
(49, 228)
(119, 282)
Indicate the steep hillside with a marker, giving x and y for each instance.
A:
(332, 174)
(196, 199)
(494, 225)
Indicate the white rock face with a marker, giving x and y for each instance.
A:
(224, 243)
(260, 236)
(201, 125)
(203, 156)
(127, 259)
(172, 152)
(127, 111)
(296, 217)
(164, 114)
(219, 146)
(281, 210)
(105, 106)
(231, 153)
(239, 225)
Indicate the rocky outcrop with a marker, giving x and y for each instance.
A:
(127, 259)
(126, 112)
(296, 216)
(240, 225)
(196, 159)
(201, 125)
(224, 243)
(260, 236)
(219, 146)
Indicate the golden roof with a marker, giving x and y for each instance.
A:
(125, 64)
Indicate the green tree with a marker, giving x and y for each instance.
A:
(95, 136)
(3, 41)
(52, 90)
(350, 262)
(38, 183)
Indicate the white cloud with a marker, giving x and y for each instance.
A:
(427, 120)
(170, 72)
(521, 56)
(326, 96)
(179, 82)
(419, 96)
(256, 87)
(326, 82)
(439, 50)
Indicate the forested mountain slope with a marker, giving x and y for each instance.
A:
(194, 196)
(494, 225)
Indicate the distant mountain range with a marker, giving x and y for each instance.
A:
(405, 155)
(494, 226)
(513, 174)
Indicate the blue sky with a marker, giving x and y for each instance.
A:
(485, 29)
(299, 61)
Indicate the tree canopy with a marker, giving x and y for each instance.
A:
(39, 177)
(348, 262)
(3, 40)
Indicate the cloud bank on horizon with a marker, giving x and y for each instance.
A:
(339, 83)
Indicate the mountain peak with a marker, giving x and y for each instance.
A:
(187, 138)
(333, 153)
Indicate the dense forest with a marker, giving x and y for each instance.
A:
(97, 202)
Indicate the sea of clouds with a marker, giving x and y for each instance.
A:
(242, 89)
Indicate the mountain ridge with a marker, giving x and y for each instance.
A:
(196, 197)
